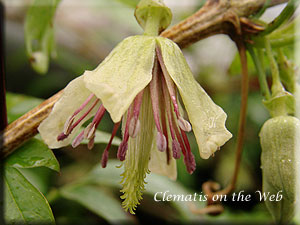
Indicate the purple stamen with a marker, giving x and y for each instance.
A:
(89, 131)
(134, 125)
(190, 163)
(83, 105)
(104, 158)
(105, 153)
(69, 126)
(98, 116)
(154, 93)
(176, 149)
(189, 159)
(137, 104)
(122, 150)
(179, 138)
(84, 115)
(124, 144)
(163, 115)
(61, 136)
(161, 142)
(78, 139)
(69, 123)
(91, 142)
(184, 125)
(170, 84)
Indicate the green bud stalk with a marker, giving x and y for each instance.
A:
(153, 16)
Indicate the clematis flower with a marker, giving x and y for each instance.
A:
(140, 84)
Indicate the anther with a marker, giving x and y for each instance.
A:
(134, 127)
(61, 136)
(89, 131)
(176, 149)
(104, 158)
(91, 142)
(184, 125)
(161, 142)
(68, 125)
(78, 139)
(122, 150)
(190, 163)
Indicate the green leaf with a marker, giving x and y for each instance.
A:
(98, 201)
(257, 215)
(18, 104)
(110, 176)
(40, 177)
(161, 184)
(103, 137)
(23, 202)
(39, 33)
(33, 153)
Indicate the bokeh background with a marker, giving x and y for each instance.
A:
(86, 31)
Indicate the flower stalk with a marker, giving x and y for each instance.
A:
(261, 73)
(211, 188)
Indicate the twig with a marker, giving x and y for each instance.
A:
(25, 127)
(212, 18)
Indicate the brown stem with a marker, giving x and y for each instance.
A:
(24, 128)
(210, 188)
(213, 18)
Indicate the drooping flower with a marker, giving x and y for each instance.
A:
(139, 83)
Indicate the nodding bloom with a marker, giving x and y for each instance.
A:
(140, 84)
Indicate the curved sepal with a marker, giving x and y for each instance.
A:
(73, 96)
(207, 119)
(123, 74)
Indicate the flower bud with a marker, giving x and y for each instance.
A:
(278, 143)
(40, 62)
(145, 6)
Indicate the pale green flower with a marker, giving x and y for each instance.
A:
(137, 83)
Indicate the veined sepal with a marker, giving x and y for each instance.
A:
(207, 119)
(125, 72)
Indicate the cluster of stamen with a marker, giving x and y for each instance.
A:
(170, 125)
(166, 112)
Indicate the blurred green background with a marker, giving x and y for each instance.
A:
(84, 193)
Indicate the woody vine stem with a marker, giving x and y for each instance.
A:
(215, 17)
